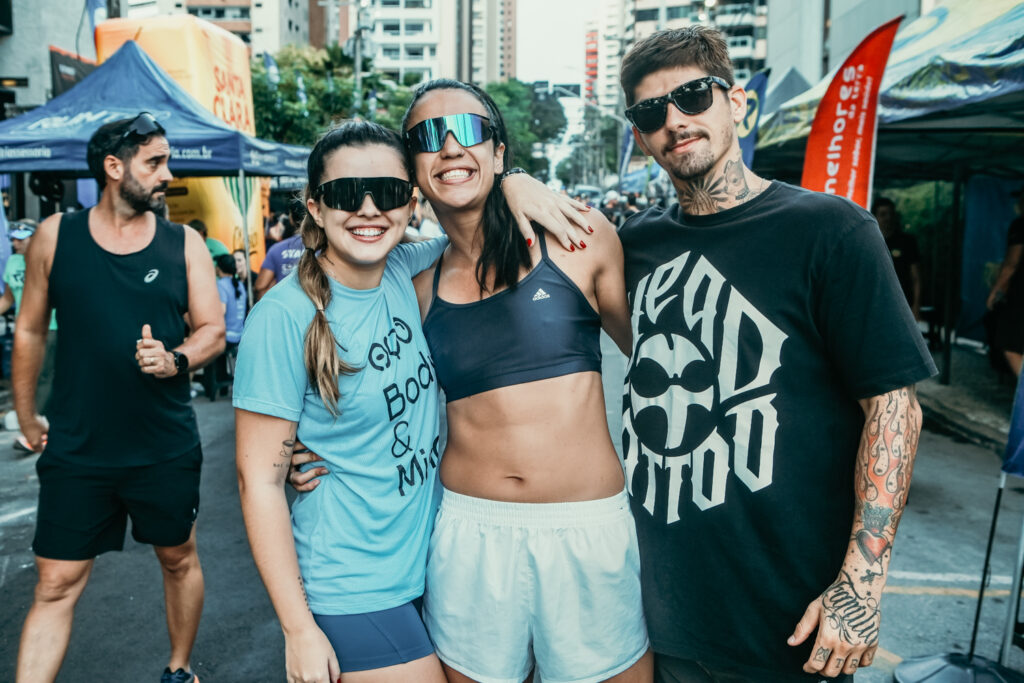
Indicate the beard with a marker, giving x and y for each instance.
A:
(139, 198)
(697, 164)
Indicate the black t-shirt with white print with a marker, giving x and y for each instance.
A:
(755, 332)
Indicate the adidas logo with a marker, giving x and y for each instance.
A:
(540, 295)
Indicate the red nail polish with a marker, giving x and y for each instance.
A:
(572, 247)
(590, 229)
(529, 242)
(583, 245)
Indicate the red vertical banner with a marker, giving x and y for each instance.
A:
(840, 156)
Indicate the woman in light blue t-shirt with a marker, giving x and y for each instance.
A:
(335, 356)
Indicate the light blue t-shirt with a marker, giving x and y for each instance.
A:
(361, 535)
(234, 308)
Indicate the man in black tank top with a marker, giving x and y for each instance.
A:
(122, 439)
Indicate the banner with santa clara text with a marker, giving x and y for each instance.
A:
(840, 152)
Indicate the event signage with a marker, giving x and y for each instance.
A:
(747, 128)
(840, 152)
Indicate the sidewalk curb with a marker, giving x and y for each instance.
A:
(952, 420)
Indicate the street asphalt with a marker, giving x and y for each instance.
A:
(119, 632)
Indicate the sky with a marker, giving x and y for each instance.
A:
(549, 39)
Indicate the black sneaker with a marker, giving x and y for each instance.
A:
(179, 676)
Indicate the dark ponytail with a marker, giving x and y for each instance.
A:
(226, 264)
(505, 252)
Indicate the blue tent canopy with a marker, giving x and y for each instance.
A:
(53, 137)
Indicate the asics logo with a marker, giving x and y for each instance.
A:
(540, 295)
(150, 276)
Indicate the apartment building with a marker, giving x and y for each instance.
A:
(614, 36)
(744, 23)
(266, 25)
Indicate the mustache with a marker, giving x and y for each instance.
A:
(676, 138)
(162, 187)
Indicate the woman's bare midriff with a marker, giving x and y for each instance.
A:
(540, 442)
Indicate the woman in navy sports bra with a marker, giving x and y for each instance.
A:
(533, 561)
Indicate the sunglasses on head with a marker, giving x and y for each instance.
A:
(690, 98)
(139, 130)
(346, 194)
(429, 135)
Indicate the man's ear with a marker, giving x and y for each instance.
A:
(738, 102)
(113, 167)
(640, 142)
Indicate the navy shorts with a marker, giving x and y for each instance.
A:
(84, 510)
(374, 640)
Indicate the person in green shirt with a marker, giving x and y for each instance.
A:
(14, 280)
(214, 246)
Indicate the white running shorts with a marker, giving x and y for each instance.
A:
(556, 585)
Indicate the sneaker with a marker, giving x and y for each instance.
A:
(179, 676)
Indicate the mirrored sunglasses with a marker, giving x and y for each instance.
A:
(346, 194)
(429, 135)
(691, 98)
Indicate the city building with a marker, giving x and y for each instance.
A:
(815, 38)
(590, 62)
(744, 23)
(27, 29)
(614, 36)
(414, 40)
(266, 25)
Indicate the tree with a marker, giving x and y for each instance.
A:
(530, 119)
(329, 84)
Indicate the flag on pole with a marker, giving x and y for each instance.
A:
(747, 128)
(1013, 458)
(840, 156)
(273, 73)
(626, 153)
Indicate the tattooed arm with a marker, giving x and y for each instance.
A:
(847, 615)
(264, 446)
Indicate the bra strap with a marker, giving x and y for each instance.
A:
(543, 244)
(437, 276)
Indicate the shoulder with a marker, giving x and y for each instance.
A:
(604, 243)
(644, 220)
(44, 241)
(286, 300)
(801, 203)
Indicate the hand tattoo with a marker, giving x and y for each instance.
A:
(855, 617)
(822, 654)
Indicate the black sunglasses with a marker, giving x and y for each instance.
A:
(429, 135)
(690, 98)
(139, 130)
(346, 194)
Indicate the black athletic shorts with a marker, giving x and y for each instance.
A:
(83, 510)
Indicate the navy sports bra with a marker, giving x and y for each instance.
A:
(544, 327)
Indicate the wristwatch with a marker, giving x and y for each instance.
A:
(180, 361)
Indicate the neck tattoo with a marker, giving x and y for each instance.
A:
(713, 192)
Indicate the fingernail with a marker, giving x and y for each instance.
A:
(529, 242)
(790, 640)
(572, 247)
(583, 245)
(586, 208)
(590, 229)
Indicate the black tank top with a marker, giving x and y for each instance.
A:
(543, 327)
(103, 410)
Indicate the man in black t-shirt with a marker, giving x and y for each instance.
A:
(769, 416)
(123, 441)
(1007, 295)
(906, 257)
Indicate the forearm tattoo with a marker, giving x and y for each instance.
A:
(287, 446)
(882, 477)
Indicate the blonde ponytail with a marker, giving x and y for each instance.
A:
(320, 351)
